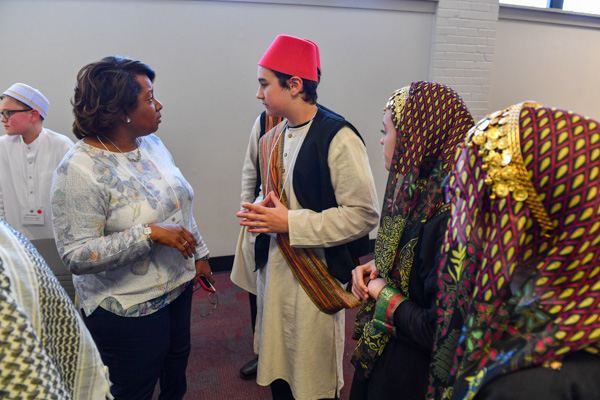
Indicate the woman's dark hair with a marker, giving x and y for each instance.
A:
(105, 90)
(309, 91)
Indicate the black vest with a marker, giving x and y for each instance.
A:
(314, 190)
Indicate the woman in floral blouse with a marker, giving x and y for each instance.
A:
(122, 215)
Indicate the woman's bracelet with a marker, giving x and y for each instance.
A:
(387, 302)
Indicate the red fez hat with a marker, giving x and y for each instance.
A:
(317, 54)
(293, 56)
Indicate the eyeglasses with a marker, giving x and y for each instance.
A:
(212, 297)
(8, 113)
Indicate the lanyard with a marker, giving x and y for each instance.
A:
(177, 204)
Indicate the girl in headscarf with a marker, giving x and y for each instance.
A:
(519, 295)
(423, 124)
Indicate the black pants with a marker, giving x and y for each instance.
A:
(139, 351)
(253, 311)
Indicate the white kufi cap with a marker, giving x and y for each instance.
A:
(30, 96)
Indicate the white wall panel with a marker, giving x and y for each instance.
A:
(205, 55)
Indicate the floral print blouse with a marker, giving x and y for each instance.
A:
(100, 201)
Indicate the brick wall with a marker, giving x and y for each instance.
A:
(463, 49)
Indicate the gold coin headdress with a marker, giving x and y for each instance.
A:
(499, 143)
(396, 104)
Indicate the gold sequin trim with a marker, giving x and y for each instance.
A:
(554, 364)
(498, 139)
(396, 104)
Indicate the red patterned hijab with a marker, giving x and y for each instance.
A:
(431, 120)
(519, 277)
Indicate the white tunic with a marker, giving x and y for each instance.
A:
(295, 341)
(26, 177)
(242, 271)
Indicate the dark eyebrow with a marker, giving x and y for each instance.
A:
(262, 80)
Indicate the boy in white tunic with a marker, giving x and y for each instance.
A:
(319, 206)
(29, 154)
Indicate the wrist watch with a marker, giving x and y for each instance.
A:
(148, 232)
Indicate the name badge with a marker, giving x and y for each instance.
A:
(32, 216)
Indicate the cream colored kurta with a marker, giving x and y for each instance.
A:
(295, 341)
(242, 271)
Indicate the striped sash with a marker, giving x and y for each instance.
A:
(324, 291)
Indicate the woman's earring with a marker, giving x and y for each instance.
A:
(128, 120)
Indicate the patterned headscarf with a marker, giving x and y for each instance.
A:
(519, 275)
(431, 120)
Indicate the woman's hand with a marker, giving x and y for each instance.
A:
(261, 218)
(203, 269)
(174, 235)
(376, 286)
(361, 276)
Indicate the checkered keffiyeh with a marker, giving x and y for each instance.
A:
(45, 350)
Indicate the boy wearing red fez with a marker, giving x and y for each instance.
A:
(246, 262)
(317, 206)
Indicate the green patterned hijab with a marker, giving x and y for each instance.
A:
(431, 120)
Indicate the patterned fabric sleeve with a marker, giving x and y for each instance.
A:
(387, 303)
(79, 211)
(201, 249)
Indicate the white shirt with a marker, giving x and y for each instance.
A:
(26, 172)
